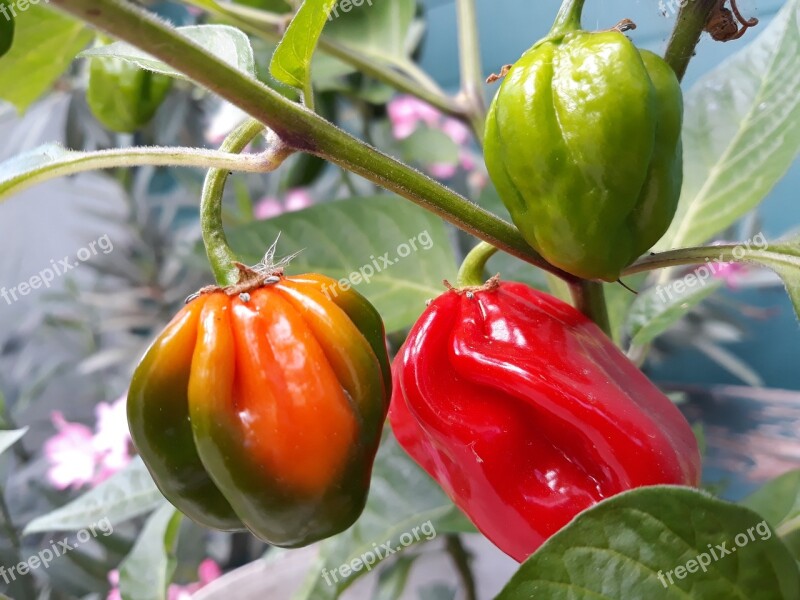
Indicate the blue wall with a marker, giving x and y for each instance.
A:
(509, 27)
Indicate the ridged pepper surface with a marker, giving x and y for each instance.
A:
(264, 410)
(526, 413)
(583, 143)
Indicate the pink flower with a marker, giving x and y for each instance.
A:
(456, 130)
(70, 453)
(442, 170)
(266, 208)
(112, 442)
(77, 456)
(295, 199)
(406, 113)
(730, 273)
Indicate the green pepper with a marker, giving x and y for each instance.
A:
(583, 145)
(122, 96)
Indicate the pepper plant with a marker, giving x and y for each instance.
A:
(261, 406)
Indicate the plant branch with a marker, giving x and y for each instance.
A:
(79, 162)
(589, 298)
(461, 559)
(220, 255)
(404, 77)
(691, 22)
(682, 256)
(471, 68)
(297, 127)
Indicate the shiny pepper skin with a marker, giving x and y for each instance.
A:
(123, 97)
(526, 413)
(264, 410)
(583, 145)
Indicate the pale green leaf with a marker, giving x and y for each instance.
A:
(229, 44)
(658, 308)
(741, 132)
(147, 571)
(779, 503)
(9, 438)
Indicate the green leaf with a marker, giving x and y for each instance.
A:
(9, 438)
(779, 503)
(377, 28)
(403, 501)
(45, 42)
(147, 571)
(394, 578)
(428, 146)
(127, 494)
(23, 170)
(351, 237)
(658, 308)
(227, 43)
(783, 257)
(618, 549)
(741, 132)
(291, 62)
(6, 26)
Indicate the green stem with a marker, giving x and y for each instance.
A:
(461, 559)
(471, 68)
(298, 127)
(471, 272)
(568, 18)
(220, 255)
(589, 298)
(691, 22)
(79, 162)
(682, 256)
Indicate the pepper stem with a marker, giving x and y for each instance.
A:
(471, 272)
(568, 18)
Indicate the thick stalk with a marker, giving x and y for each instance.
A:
(220, 255)
(692, 19)
(471, 68)
(299, 128)
(471, 272)
(568, 17)
(590, 298)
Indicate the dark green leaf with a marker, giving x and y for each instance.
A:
(291, 62)
(127, 494)
(352, 237)
(147, 571)
(6, 26)
(628, 548)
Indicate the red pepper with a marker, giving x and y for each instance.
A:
(526, 413)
